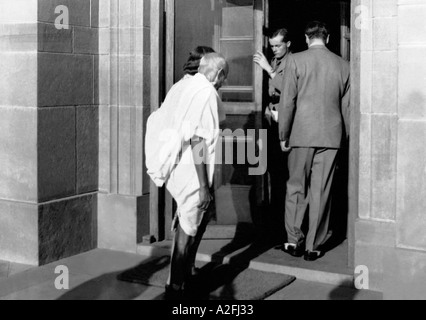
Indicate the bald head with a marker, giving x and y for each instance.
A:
(215, 68)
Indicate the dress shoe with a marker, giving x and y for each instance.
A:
(312, 255)
(292, 249)
(279, 247)
(173, 294)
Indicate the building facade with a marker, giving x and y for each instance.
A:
(80, 77)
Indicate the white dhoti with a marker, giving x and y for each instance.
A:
(196, 115)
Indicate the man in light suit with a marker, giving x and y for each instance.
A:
(313, 108)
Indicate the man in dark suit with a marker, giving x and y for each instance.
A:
(314, 104)
(277, 172)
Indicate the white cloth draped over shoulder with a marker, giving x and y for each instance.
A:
(192, 108)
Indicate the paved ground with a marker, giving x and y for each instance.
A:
(92, 276)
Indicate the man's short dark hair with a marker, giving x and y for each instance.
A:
(282, 32)
(317, 30)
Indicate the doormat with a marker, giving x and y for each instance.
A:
(221, 282)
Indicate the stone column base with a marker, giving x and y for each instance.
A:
(37, 234)
(122, 221)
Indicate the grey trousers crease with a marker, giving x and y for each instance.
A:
(311, 173)
(184, 252)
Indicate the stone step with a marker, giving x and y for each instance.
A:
(266, 262)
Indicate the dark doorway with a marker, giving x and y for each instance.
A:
(294, 15)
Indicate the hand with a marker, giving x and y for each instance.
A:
(205, 198)
(261, 60)
(284, 146)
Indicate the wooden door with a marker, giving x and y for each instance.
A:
(235, 29)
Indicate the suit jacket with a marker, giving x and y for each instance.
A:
(314, 99)
(275, 84)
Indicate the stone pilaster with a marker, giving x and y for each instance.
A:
(125, 99)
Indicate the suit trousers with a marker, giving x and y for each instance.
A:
(184, 252)
(311, 173)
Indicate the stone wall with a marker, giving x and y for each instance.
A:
(49, 140)
(389, 233)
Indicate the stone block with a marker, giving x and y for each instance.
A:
(104, 20)
(147, 80)
(104, 148)
(370, 256)
(79, 11)
(146, 41)
(411, 191)
(56, 153)
(364, 191)
(18, 153)
(67, 228)
(51, 39)
(94, 13)
(385, 8)
(365, 23)
(18, 37)
(147, 13)
(383, 166)
(114, 140)
(114, 41)
(385, 82)
(86, 40)
(126, 12)
(404, 275)
(117, 223)
(96, 79)
(385, 33)
(139, 79)
(103, 79)
(18, 232)
(373, 239)
(412, 85)
(126, 149)
(87, 149)
(65, 80)
(139, 41)
(12, 11)
(125, 81)
(411, 25)
(18, 82)
(377, 233)
(139, 13)
(114, 14)
(366, 82)
(114, 69)
(104, 41)
(127, 39)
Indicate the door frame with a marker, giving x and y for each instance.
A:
(349, 46)
(162, 49)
